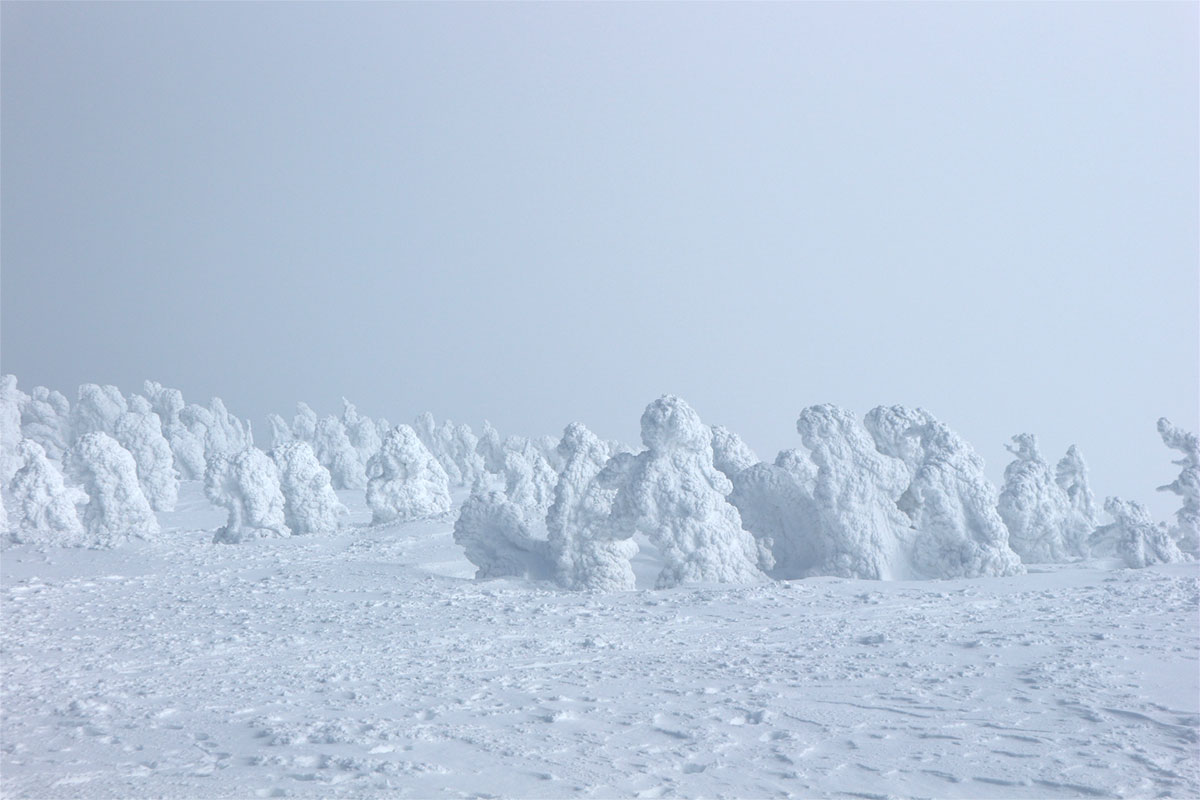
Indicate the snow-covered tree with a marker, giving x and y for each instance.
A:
(730, 454)
(281, 433)
(310, 504)
(304, 424)
(46, 419)
(776, 505)
(140, 432)
(581, 548)
(246, 483)
(1071, 475)
(1186, 530)
(439, 440)
(12, 400)
(490, 448)
(335, 452)
(950, 502)
(529, 480)
(1042, 524)
(862, 532)
(116, 506)
(96, 410)
(1133, 537)
(463, 443)
(186, 446)
(675, 496)
(43, 508)
(498, 540)
(547, 445)
(361, 431)
(406, 481)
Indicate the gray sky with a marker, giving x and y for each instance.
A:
(546, 213)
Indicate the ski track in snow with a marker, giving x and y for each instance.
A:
(370, 664)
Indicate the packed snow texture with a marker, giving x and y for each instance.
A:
(310, 504)
(1044, 523)
(957, 532)
(674, 495)
(1133, 537)
(1186, 530)
(116, 508)
(43, 508)
(246, 484)
(139, 431)
(406, 482)
(497, 539)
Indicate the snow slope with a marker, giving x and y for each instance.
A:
(368, 663)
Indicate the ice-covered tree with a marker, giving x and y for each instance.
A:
(46, 419)
(776, 505)
(581, 546)
(438, 439)
(498, 540)
(406, 482)
(1042, 523)
(862, 532)
(96, 410)
(1133, 537)
(1186, 530)
(281, 432)
(490, 448)
(310, 504)
(1071, 475)
(676, 497)
(12, 400)
(463, 443)
(950, 502)
(246, 484)
(335, 452)
(43, 508)
(304, 424)
(529, 480)
(547, 445)
(730, 454)
(361, 431)
(140, 432)
(116, 506)
(186, 446)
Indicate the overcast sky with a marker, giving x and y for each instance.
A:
(545, 213)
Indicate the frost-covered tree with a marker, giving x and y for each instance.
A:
(12, 400)
(304, 424)
(335, 452)
(116, 506)
(406, 481)
(186, 447)
(676, 497)
(246, 484)
(1133, 537)
(776, 505)
(310, 504)
(863, 533)
(950, 502)
(281, 432)
(140, 432)
(438, 439)
(96, 410)
(1186, 530)
(529, 480)
(43, 508)
(1071, 475)
(580, 542)
(1042, 524)
(497, 538)
(46, 419)
(547, 445)
(361, 431)
(490, 448)
(463, 443)
(730, 454)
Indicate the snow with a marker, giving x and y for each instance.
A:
(46, 419)
(369, 663)
(406, 481)
(116, 508)
(310, 504)
(43, 507)
(1186, 530)
(1043, 523)
(139, 431)
(246, 484)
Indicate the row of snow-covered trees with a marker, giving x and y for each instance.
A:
(895, 495)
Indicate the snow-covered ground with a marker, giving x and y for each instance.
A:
(371, 664)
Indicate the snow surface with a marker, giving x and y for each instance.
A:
(368, 663)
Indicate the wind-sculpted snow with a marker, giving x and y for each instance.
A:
(674, 495)
(335, 452)
(582, 550)
(140, 432)
(406, 482)
(951, 503)
(1133, 537)
(116, 508)
(46, 419)
(309, 503)
(96, 410)
(497, 539)
(1186, 530)
(11, 401)
(43, 508)
(1043, 524)
(863, 533)
(730, 454)
(246, 484)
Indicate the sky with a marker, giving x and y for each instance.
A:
(542, 213)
